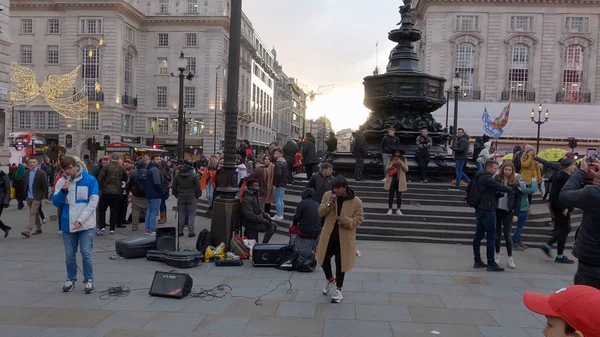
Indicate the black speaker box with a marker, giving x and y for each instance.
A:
(267, 254)
(171, 285)
(166, 239)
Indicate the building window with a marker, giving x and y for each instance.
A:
(91, 122)
(163, 126)
(52, 54)
(90, 70)
(163, 66)
(573, 73)
(191, 40)
(127, 122)
(467, 23)
(26, 26)
(128, 75)
(53, 120)
(91, 26)
(521, 23)
(163, 7)
(25, 119)
(189, 97)
(163, 39)
(161, 97)
(226, 47)
(53, 26)
(577, 25)
(192, 6)
(26, 54)
(129, 34)
(191, 65)
(39, 120)
(518, 72)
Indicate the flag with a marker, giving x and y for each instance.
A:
(487, 125)
(502, 120)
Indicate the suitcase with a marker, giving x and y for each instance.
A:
(183, 259)
(133, 248)
(267, 255)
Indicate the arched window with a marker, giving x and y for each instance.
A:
(90, 71)
(465, 66)
(128, 76)
(572, 73)
(518, 72)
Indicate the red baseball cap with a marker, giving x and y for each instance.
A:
(577, 305)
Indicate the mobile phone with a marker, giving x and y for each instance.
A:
(591, 154)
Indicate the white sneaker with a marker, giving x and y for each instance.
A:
(89, 287)
(68, 286)
(112, 232)
(328, 287)
(497, 259)
(383, 179)
(337, 296)
(399, 212)
(44, 221)
(389, 212)
(511, 263)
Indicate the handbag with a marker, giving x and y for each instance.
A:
(392, 172)
(13, 193)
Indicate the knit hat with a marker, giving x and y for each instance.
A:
(528, 148)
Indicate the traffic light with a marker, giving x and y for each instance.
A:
(89, 144)
(303, 140)
(154, 146)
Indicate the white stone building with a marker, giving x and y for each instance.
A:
(5, 107)
(524, 52)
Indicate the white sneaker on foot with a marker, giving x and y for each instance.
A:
(337, 296)
(511, 263)
(389, 212)
(89, 287)
(399, 212)
(68, 286)
(328, 287)
(497, 259)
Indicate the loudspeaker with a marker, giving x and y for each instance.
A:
(171, 285)
(166, 239)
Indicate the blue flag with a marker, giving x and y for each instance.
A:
(487, 125)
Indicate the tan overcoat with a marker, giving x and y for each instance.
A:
(269, 173)
(402, 167)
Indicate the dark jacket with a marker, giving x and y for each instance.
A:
(153, 186)
(478, 146)
(424, 143)
(360, 145)
(309, 153)
(461, 148)
(186, 184)
(4, 189)
(111, 178)
(40, 185)
(550, 168)
(259, 174)
(307, 216)
(252, 212)
(280, 175)
(587, 245)
(320, 184)
(331, 143)
(389, 144)
(558, 182)
(487, 190)
(514, 198)
(289, 152)
(133, 183)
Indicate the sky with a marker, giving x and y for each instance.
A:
(328, 42)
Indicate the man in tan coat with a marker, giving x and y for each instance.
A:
(343, 213)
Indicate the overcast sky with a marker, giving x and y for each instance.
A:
(323, 42)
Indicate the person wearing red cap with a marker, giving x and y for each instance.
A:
(571, 311)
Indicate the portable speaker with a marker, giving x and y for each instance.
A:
(166, 239)
(171, 285)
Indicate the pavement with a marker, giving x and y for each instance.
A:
(397, 289)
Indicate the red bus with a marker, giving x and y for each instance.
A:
(26, 145)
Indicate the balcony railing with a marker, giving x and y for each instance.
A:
(469, 94)
(94, 96)
(575, 97)
(129, 100)
(519, 96)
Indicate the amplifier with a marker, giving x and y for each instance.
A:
(171, 285)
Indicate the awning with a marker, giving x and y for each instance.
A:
(122, 147)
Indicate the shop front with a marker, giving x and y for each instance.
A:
(132, 150)
(192, 150)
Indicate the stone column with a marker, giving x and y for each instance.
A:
(5, 106)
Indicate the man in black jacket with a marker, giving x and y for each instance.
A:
(321, 182)
(561, 212)
(586, 248)
(424, 143)
(307, 222)
(360, 150)
(289, 154)
(488, 189)
(309, 155)
(461, 155)
(135, 186)
(388, 145)
(254, 219)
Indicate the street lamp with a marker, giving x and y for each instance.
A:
(539, 122)
(216, 103)
(181, 65)
(456, 85)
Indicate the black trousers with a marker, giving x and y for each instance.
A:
(310, 169)
(41, 212)
(422, 157)
(122, 210)
(359, 167)
(290, 177)
(587, 275)
(251, 230)
(2, 225)
(394, 191)
(504, 226)
(268, 208)
(334, 249)
(562, 227)
(106, 201)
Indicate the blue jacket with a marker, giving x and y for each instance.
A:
(153, 185)
(79, 203)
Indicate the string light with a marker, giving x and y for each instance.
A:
(97, 106)
(101, 42)
(97, 87)
(91, 53)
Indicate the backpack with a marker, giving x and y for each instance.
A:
(477, 148)
(472, 194)
(517, 161)
(204, 240)
(238, 247)
(141, 181)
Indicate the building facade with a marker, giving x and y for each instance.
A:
(526, 54)
(290, 107)
(5, 106)
(344, 138)
(320, 129)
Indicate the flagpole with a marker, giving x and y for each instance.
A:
(377, 56)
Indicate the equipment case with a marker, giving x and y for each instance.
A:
(267, 255)
(183, 259)
(133, 248)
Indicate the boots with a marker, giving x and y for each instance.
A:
(163, 217)
(5, 228)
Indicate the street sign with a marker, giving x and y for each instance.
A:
(19, 146)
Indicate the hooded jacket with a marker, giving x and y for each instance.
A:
(252, 212)
(289, 151)
(486, 153)
(307, 214)
(360, 145)
(319, 184)
(154, 180)
(111, 178)
(487, 190)
(461, 148)
(187, 184)
(280, 177)
(309, 153)
(389, 143)
(78, 203)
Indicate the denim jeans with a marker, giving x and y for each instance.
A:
(152, 214)
(520, 224)
(385, 158)
(278, 195)
(210, 193)
(486, 226)
(85, 241)
(479, 166)
(460, 175)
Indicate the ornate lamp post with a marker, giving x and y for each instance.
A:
(539, 122)
(456, 85)
(216, 104)
(181, 65)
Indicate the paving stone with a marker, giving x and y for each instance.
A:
(247, 282)
(19, 315)
(296, 283)
(491, 290)
(21, 299)
(296, 309)
(337, 328)
(70, 318)
(75, 300)
(312, 296)
(131, 303)
(533, 332)
(131, 333)
(505, 282)
(402, 329)
(442, 289)
(285, 326)
(248, 307)
(510, 304)
(546, 283)
(390, 287)
(382, 313)
(353, 276)
(348, 285)
(174, 322)
(515, 319)
(223, 324)
(402, 278)
(127, 320)
(450, 316)
(501, 331)
(215, 306)
(63, 332)
(437, 279)
(470, 280)
(469, 302)
(366, 298)
(168, 304)
(338, 311)
(283, 293)
(416, 300)
(19, 330)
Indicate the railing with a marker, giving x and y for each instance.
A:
(519, 96)
(576, 97)
(129, 100)
(94, 96)
(469, 94)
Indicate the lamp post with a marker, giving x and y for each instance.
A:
(216, 103)
(456, 85)
(539, 122)
(181, 65)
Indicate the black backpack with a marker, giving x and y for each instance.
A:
(142, 175)
(472, 194)
(517, 161)
(204, 240)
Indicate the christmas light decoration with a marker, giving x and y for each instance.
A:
(101, 42)
(97, 106)
(97, 87)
